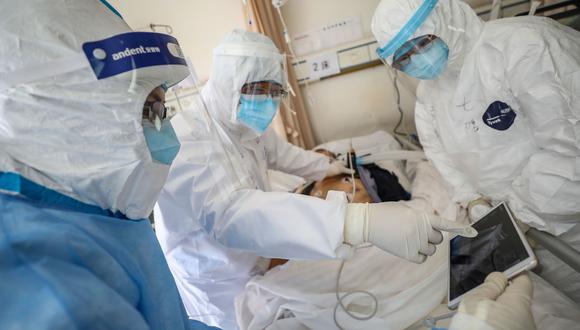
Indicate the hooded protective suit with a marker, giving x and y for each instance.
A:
(76, 175)
(502, 121)
(217, 193)
(218, 197)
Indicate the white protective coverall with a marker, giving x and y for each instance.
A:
(207, 204)
(77, 177)
(502, 120)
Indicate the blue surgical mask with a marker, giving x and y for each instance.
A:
(258, 111)
(429, 63)
(163, 143)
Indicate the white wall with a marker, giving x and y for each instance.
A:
(199, 25)
(361, 102)
(349, 105)
(356, 103)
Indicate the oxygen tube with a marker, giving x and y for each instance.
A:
(352, 164)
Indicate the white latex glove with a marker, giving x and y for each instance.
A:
(497, 305)
(398, 229)
(336, 168)
(477, 208)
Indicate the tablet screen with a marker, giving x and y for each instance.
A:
(497, 247)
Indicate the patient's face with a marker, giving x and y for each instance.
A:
(342, 183)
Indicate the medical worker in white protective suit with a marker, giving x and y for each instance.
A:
(215, 216)
(81, 169)
(497, 111)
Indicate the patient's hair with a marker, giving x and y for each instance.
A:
(342, 183)
(384, 185)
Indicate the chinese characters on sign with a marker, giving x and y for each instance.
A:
(323, 65)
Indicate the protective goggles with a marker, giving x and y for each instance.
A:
(264, 88)
(419, 45)
(406, 31)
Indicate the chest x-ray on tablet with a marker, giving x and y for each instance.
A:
(500, 246)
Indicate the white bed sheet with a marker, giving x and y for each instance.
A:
(301, 294)
(305, 290)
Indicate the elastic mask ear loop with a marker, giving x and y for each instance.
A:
(157, 123)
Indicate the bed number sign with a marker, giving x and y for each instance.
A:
(323, 66)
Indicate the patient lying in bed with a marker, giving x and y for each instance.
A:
(302, 294)
(369, 184)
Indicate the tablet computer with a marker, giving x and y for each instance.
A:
(499, 246)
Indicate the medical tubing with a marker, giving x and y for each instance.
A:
(341, 267)
(348, 294)
(398, 94)
(431, 322)
(557, 247)
(351, 166)
(403, 142)
(288, 39)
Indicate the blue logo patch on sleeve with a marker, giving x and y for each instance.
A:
(499, 116)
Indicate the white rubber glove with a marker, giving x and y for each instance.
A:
(398, 229)
(477, 208)
(336, 168)
(497, 305)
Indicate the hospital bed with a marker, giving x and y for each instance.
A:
(379, 147)
(301, 294)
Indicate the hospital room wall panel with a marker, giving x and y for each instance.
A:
(199, 25)
(353, 104)
(356, 104)
(347, 105)
(360, 102)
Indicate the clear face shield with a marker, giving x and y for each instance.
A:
(125, 68)
(423, 57)
(104, 85)
(260, 82)
(219, 168)
(149, 63)
(124, 75)
(259, 103)
(210, 142)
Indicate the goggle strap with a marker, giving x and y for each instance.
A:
(408, 29)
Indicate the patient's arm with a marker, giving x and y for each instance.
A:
(285, 157)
